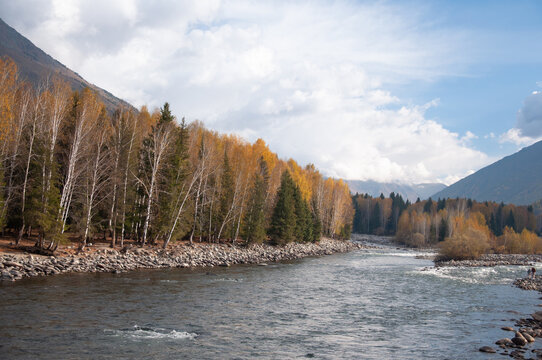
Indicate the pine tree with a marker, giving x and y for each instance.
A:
(226, 198)
(442, 230)
(441, 204)
(493, 224)
(303, 230)
(254, 221)
(499, 224)
(173, 181)
(375, 219)
(316, 223)
(357, 222)
(428, 207)
(511, 221)
(283, 220)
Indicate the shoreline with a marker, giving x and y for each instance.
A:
(15, 267)
(526, 330)
(489, 260)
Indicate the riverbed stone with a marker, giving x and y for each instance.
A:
(487, 349)
(12, 263)
(503, 341)
(527, 337)
(537, 316)
(519, 340)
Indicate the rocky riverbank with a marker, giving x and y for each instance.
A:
(530, 283)
(516, 346)
(526, 331)
(17, 266)
(493, 260)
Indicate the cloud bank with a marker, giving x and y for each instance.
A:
(312, 79)
(528, 127)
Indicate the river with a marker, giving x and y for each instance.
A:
(367, 304)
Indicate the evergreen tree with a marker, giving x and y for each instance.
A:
(165, 115)
(226, 197)
(375, 219)
(346, 232)
(316, 223)
(441, 204)
(303, 217)
(283, 220)
(499, 225)
(357, 222)
(254, 221)
(442, 230)
(428, 207)
(174, 178)
(511, 221)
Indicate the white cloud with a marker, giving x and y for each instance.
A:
(528, 128)
(515, 136)
(529, 118)
(468, 137)
(310, 78)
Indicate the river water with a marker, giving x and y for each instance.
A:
(367, 304)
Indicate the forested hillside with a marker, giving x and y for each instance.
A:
(454, 224)
(69, 170)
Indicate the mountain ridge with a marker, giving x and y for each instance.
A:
(407, 191)
(35, 66)
(515, 179)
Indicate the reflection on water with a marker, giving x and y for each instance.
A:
(368, 304)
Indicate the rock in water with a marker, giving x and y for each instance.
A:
(487, 349)
(528, 337)
(519, 340)
(537, 316)
(503, 341)
(507, 328)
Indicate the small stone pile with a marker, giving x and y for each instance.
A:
(15, 267)
(529, 283)
(515, 347)
(493, 260)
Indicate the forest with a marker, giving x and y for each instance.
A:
(71, 171)
(462, 228)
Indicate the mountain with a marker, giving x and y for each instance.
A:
(35, 65)
(411, 192)
(515, 179)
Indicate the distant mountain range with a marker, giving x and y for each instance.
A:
(411, 192)
(35, 65)
(515, 179)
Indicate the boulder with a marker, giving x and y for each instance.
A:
(507, 328)
(537, 315)
(487, 349)
(519, 340)
(503, 341)
(528, 337)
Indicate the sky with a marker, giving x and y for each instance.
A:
(403, 91)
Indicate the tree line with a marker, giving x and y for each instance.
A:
(71, 170)
(462, 227)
